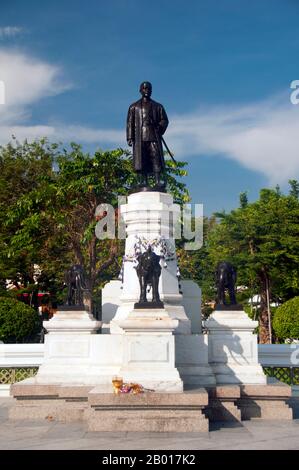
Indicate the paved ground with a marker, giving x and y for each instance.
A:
(53, 435)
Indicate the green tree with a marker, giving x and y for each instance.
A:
(286, 320)
(294, 191)
(243, 200)
(53, 225)
(196, 264)
(23, 168)
(262, 241)
(17, 321)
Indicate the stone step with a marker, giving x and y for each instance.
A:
(147, 420)
(49, 409)
(98, 396)
(188, 411)
(151, 412)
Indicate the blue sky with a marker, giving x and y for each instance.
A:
(222, 69)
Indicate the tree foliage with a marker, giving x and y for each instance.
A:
(48, 199)
(262, 240)
(23, 168)
(286, 320)
(196, 264)
(17, 320)
(50, 220)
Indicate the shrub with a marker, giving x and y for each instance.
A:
(286, 320)
(17, 320)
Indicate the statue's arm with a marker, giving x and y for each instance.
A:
(163, 122)
(131, 125)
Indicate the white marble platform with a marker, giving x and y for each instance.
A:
(150, 219)
(233, 351)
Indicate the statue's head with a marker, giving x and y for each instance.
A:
(146, 89)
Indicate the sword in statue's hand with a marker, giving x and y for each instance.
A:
(167, 149)
(163, 142)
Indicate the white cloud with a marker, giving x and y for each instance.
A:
(10, 31)
(63, 133)
(260, 136)
(27, 80)
(91, 135)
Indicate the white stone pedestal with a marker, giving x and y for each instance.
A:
(70, 356)
(149, 350)
(233, 354)
(191, 301)
(150, 219)
(72, 320)
(192, 360)
(191, 350)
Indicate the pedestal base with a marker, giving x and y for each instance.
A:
(190, 299)
(71, 351)
(189, 411)
(236, 403)
(106, 412)
(149, 351)
(148, 412)
(192, 360)
(72, 320)
(148, 305)
(175, 311)
(233, 354)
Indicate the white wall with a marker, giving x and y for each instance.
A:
(279, 354)
(31, 355)
(21, 355)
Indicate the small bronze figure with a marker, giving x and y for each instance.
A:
(146, 123)
(226, 277)
(148, 272)
(75, 281)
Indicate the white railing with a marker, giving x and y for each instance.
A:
(32, 355)
(21, 355)
(283, 355)
(18, 356)
(275, 356)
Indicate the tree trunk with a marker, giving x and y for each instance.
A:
(264, 325)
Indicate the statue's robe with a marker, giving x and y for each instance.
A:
(134, 126)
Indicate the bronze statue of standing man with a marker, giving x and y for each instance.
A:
(146, 123)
